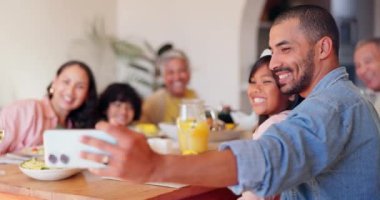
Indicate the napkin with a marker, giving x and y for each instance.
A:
(11, 158)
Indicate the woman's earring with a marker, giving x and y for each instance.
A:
(51, 91)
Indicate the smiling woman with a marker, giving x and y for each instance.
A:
(70, 103)
(163, 105)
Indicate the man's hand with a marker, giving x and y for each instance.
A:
(130, 158)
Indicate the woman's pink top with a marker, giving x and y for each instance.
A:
(24, 122)
(267, 123)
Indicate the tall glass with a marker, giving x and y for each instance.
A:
(193, 130)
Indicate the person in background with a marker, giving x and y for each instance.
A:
(367, 66)
(70, 103)
(163, 105)
(120, 104)
(327, 148)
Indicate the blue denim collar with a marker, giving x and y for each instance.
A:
(331, 78)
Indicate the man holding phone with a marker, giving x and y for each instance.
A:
(327, 148)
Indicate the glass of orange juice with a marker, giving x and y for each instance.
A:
(193, 129)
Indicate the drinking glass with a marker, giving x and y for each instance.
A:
(193, 130)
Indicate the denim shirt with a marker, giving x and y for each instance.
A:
(327, 148)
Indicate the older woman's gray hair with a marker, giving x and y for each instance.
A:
(375, 41)
(169, 55)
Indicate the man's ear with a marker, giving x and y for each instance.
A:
(325, 47)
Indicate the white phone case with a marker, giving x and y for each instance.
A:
(62, 147)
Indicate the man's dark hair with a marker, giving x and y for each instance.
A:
(315, 21)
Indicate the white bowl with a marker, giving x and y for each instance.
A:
(49, 174)
(170, 130)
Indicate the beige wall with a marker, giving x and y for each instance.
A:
(37, 36)
(208, 31)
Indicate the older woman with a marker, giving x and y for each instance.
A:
(163, 105)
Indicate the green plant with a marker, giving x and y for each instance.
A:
(139, 59)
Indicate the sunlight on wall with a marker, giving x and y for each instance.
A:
(36, 36)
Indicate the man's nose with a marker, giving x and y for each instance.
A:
(274, 63)
(257, 88)
(70, 90)
(177, 76)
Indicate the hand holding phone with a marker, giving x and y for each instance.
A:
(62, 147)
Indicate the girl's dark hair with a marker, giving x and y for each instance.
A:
(261, 63)
(85, 115)
(119, 92)
(258, 64)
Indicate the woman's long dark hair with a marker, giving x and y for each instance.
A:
(85, 115)
(119, 92)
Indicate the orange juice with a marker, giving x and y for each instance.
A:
(193, 136)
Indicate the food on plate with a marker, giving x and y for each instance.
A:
(38, 150)
(32, 151)
(218, 125)
(36, 168)
(150, 130)
(35, 164)
(229, 126)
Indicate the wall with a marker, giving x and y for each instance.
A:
(37, 36)
(208, 31)
(377, 18)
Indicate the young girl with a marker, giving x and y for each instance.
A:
(268, 103)
(70, 103)
(120, 104)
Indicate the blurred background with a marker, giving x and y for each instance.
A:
(221, 37)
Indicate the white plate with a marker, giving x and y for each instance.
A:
(50, 174)
(225, 135)
(170, 130)
(35, 151)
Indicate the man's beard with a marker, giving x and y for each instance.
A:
(297, 86)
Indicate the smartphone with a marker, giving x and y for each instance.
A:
(62, 147)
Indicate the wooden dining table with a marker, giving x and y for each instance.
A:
(86, 186)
